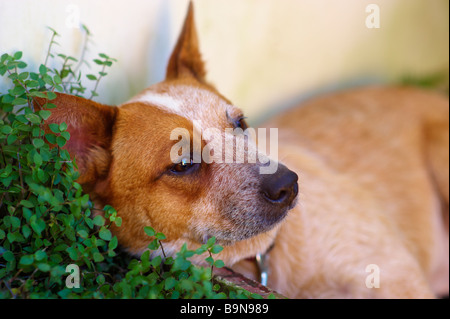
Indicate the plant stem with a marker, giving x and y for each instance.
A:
(20, 175)
(98, 81)
(49, 48)
(83, 52)
(162, 249)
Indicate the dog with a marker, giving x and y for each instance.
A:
(361, 212)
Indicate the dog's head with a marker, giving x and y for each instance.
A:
(144, 159)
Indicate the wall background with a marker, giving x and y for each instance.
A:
(262, 54)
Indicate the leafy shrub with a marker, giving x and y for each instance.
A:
(47, 222)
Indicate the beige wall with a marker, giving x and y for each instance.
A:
(261, 54)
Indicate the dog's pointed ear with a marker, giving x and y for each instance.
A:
(90, 125)
(186, 60)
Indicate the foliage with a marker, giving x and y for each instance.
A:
(48, 223)
(435, 81)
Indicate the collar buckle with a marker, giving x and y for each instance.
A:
(261, 262)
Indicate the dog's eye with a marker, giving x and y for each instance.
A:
(241, 123)
(184, 166)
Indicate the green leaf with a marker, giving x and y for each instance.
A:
(210, 242)
(33, 118)
(19, 101)
(15, 222)
(62, 126)
(118, 221)
(37, 158)
(45, 114)
(73, 253)
(169, 283)
(21, 65)
(26, 231)
(61, 141)
(37, 142)
(8, 256)
(156, 261)
(154, 244)
(3, 69)
(37, 224)
(149, 231)
(51, 96)
(48, 79)
(26, 203)
(7, 98)
(160, 236)
(4, 57)
(11, 139)
(182, 264)
(24, 75)
(219, 263)
(65, 135)
(91, 77)
(57, 79)
(100, 279)
(17, 55)
(216, 249)
(83, 233)
(26, 260)
(99, 220)
(32, 84)
(113, 243)
(98, 257)
(200, 250)
(70, 233)
(42, 69)
(5, 129)
(38, 94)
(51, 138)
(40, 255)
(36, 131)
(209, 260)
(105, 234)
(44, 267)
(18, 90)
(27, 213)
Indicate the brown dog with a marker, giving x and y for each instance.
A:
(374, 190)
(373, 167)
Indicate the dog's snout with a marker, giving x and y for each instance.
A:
(280, 188)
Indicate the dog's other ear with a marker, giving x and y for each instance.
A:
(90, 125)
(186, 60)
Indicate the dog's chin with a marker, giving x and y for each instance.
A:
(244, 231)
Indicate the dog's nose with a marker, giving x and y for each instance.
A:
(280, 188)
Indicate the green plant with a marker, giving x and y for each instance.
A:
(47, 222)
(436, 81)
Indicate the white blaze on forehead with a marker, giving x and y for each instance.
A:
(190, 102)
(163, 101)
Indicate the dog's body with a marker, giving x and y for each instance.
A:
(373, 170)
(373, 166)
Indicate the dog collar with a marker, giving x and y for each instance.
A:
(261, 261)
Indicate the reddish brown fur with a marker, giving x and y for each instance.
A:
(372, 163)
